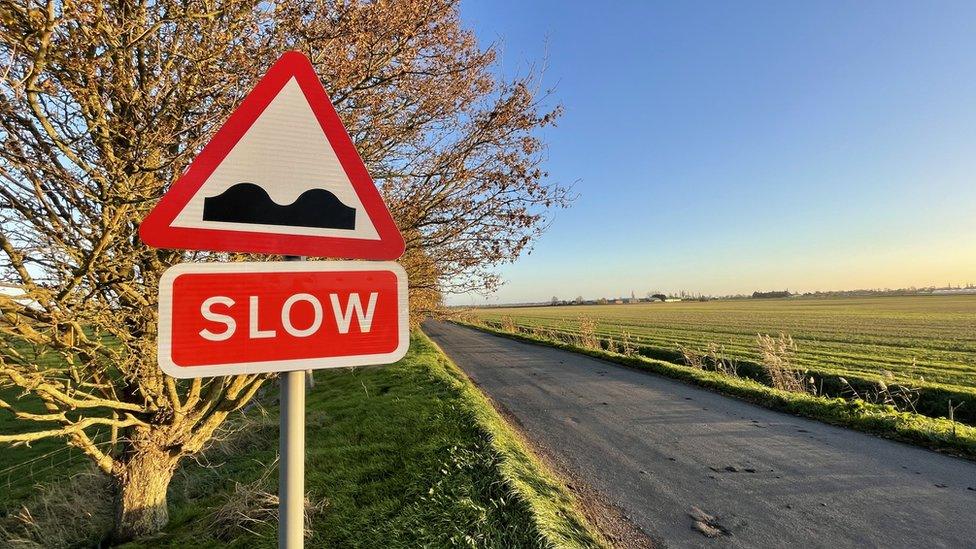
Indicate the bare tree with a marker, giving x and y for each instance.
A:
(102, 106)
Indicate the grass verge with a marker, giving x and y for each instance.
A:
(551, 504)
(409, 455)
(882, 420)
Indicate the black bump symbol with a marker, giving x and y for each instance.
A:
(249, 203)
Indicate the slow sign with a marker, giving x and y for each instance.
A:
(281, 176)
(232, 318)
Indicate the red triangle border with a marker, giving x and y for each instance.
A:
(156, 229)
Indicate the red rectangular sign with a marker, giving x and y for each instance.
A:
(230, 318)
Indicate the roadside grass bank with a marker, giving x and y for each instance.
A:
(406, 455)
(878, 419)
(928, 399)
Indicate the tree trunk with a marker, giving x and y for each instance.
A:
(140, 500)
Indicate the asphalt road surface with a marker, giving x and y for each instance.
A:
(656, 448)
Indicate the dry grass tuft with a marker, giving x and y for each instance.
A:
(626, 344)
(252, 508)
(721, 362)
(902, 397)
(712, 358)
(508, 324)
(692, 357)
(778, 356)
(75, 512)
(586, 333)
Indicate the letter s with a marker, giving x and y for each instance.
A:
(217, 317)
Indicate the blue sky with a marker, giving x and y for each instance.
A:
(725, 147)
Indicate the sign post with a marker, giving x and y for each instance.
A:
(291, 463)
(281, 177)
(291, 456)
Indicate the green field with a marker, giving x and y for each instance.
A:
(921, 341)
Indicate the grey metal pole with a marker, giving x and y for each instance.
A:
(291, 462)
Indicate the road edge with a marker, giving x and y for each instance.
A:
(559, 514)
(937, 434)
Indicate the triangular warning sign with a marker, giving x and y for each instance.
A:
(281, 176)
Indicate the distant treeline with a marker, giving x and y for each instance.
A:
(968, 289)
(768, 295)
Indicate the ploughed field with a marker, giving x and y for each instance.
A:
(921, 341)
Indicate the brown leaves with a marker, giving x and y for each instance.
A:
(102, 106)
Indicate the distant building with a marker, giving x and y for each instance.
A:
(954, 291)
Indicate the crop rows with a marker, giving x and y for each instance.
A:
(919, 340)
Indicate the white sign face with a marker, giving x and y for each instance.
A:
(245, 318)
(286, 155)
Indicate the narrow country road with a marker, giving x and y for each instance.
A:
(656, 448)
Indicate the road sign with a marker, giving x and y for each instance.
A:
(242, 318)
(281, 176)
